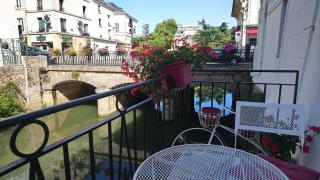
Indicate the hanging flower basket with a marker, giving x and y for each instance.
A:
(179, 73)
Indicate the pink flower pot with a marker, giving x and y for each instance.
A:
(180, 73)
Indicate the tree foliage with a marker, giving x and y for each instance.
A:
(163, 32)
(10, 104)
(213, 36)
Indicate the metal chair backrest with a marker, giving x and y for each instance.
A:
(285, 119)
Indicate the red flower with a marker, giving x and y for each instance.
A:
(265, 141)
(308, 138)
(306, 148)
(275, 149)
(133, 54)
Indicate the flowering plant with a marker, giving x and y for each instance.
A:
(87, 50)
(229, 48)
(120, 51)
(149, 60)
(70, 52)
(282, 147)
(103, 52)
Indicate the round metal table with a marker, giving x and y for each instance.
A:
(203, 161)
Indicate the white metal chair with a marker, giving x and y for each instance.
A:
(250, 117)
(282, 119)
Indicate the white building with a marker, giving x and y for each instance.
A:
(124, 27)
(246, 13)
(8, 21)
(67, 23)
(289, 38)
(186, 30)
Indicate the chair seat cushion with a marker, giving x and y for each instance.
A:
(293, 171)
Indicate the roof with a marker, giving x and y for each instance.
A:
(104, 4)
(119, 10)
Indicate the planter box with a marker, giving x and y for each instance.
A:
(180, 75)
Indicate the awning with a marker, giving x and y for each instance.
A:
(252, 30)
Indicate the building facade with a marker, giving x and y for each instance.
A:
(186, 30)
(124, 27)
(289, 38)
(246, 13)
(67, 23)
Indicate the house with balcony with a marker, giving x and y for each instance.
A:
(186, 30)
(63, 24)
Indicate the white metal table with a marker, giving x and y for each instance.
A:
(203, 161)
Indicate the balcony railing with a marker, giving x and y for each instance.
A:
(94, 60)
(142, 124)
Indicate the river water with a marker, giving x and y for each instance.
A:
(61, 125)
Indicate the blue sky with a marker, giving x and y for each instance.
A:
(186, 12)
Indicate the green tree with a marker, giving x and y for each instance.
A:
(138, 40)
(213, 36)
(163, 32)
(10, 104)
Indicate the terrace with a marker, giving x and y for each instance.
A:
(114, 146)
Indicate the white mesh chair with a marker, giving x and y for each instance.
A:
(283, 119)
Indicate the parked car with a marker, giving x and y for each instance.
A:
(217, 56)
(33, 51)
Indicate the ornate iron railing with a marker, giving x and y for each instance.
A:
(150, 133)
(163, 116)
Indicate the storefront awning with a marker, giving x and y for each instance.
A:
(252, 31)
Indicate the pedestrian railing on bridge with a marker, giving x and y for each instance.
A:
(113, 59)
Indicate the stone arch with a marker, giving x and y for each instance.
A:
(67, 90)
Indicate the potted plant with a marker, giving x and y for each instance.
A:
(56, 52)
(120, 51)
(103, 52)
(87, 51)
(4, 45)
(151, 62)
(282, 147)
(71, 53)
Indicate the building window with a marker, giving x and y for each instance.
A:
(100, 23)
(61, 5)
(18, 3)
(86, 28)
(84, 11)
(39, 5)
(281, 27)
(63, 24)
(99, 10)
(41, 25)
(20, 25)
(116, 28)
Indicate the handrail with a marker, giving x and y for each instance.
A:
(11, 121)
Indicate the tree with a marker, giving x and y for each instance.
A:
(163, 32)
(138, 40)
(10, 104)
(213, 36)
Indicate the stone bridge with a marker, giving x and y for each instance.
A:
(46, 85)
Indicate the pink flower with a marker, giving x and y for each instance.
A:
(215, 56)
(308, 138)
(265, 141)
(275, 149)
(306, 148)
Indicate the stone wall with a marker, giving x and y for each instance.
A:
(33, 66)
(17, 75)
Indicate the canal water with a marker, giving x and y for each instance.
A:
(65, 123)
